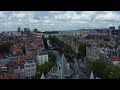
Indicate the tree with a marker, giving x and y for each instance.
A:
(45, 42)
(44, 68)
(66, 48)
(52, 57)
(98, 67)
(5, 47)
(112, 72)
(82, 49)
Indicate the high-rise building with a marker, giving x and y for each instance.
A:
(25, 29)
(35, 30)
(18, 29)
(112, 28)
(118, 27)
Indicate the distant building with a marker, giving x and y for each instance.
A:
(25, 29)
(35, 30)
(92, 53)
(19, 29)
(26, 68)
(118, 27)
(112, 28)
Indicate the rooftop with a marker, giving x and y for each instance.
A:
(10, 75)
(43, 52)
(4, 60)
(39, 43)
(115, 58)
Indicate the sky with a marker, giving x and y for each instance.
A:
(58, 20)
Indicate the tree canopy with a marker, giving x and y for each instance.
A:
(5, 47)
(105, 71)
(112, 72)
(45, 42)
(65, 47)
(82, 49)
(98, 67)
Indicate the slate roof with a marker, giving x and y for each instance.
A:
(4, 60)
(64, 70)
(77, 72)
(61, 71)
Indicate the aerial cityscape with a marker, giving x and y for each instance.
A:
(59, 45)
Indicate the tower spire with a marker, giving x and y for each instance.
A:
(42, 76)
(91, 75)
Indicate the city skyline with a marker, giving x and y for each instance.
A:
(58, 20)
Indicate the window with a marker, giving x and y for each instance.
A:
(32, 65)
(59, 67)
(118, 63)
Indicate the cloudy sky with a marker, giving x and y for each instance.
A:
(58, 20)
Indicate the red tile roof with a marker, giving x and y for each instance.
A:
(29, 45)
(30, 38)
(13, 59)
(39, 43)
(16, 47)
(115, 58)
(17, 50)
(8, 76)
(2, 55)
(22, 58)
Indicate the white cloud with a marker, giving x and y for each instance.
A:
(70, 15)
(108, 16)
(2, 15)
(56, 12)
(59, 19)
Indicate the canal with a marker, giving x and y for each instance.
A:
(56, 52)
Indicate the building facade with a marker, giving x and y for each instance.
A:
(42, 57)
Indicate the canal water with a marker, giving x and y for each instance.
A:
(56, 52)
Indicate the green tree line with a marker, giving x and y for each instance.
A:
(5, 47)
(105, 71)
(65, 47)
